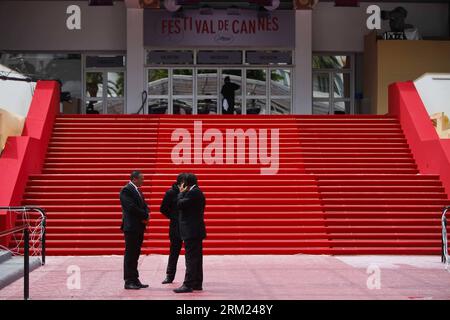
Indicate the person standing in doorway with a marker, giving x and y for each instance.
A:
(169, 209)
(135, 217)
(191, 205)
(228, 93)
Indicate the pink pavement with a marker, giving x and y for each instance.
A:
(293, 277)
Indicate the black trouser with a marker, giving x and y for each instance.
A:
(133, 244)
(175, 247)
(194, 263)
(230, 107)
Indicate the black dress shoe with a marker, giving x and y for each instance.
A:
(183, 289)
(143, 286)
(199, 288)
(168, 280)
(132, 286)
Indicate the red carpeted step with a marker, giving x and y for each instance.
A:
(158, 191)
(250, 236)
(390, 230)
(395, 249)
(247, 244)
(259, 215)
(381, 195)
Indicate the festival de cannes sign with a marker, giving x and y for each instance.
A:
(192, 29)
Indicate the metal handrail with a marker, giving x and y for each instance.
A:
(444, 256)
(144, 96)
(26, 256)
(12, 230)
(43, 225)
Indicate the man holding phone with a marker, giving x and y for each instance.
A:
(191, 205)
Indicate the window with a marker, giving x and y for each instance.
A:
(207, 91)
(280, 91)
(65, 67)
(268, 57)
(158, 57)
(333, 84)
(158, 91)
(182, 91)
(331, 62)
(256, 93)
(170, 90)
(219, 57)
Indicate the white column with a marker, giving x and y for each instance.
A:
(135, 59)
(302, 103)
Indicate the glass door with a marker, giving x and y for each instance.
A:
(94, 84)
(256, 91)
(207, 97)
(170, 90)
(342, 102)
(321, 92)
(197, 81)
(104, 85)
(212, 87)
(280, 91)
(182, 87)
(193, 90)
(158, 91)
(333, 85)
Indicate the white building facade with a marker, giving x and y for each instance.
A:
(124, 59)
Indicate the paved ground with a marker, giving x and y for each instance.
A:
(246, 277)
(13, 268)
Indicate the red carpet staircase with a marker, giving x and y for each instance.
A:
(345, 185)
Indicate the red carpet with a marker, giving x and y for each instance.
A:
(345, 185)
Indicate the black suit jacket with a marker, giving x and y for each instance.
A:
(134, 209)
(169, 208)
(191, 215)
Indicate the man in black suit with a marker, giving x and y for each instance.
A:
(169, 208)
(191, 203)
(228, 93)
(135, 217)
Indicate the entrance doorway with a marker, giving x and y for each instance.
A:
(198, 90)
(193, 88)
